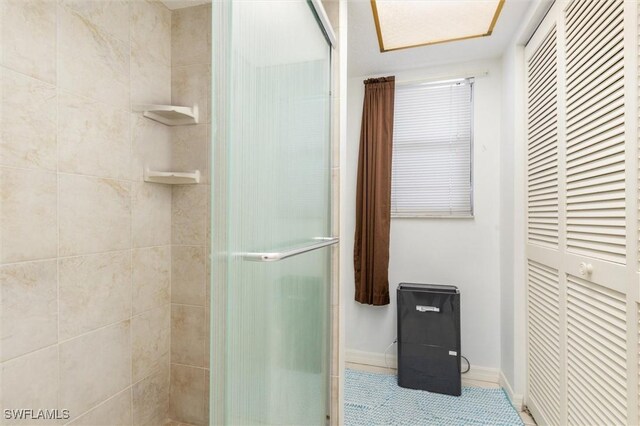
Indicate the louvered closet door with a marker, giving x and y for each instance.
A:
(582, 214)
(543, 224)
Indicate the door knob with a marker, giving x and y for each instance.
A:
(586, 269)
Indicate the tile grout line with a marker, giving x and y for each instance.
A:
(129, 180)
(30, 77)
(57, 62)
(84, 334)
(167, 411)
(101, 403)
(131, 243)
(131, 207)
(16, 358)
(75, 256)
(188, 305)
(189, 366)
(101, 328)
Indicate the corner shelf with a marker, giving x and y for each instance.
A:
(170, 115)
(172, 178)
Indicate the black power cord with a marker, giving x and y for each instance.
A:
(396, 341)
(468, 364)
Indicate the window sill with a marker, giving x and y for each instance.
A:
(415, 216)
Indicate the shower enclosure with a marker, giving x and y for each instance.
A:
(105, 200)
(271, 197)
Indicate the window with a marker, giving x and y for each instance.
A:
(432, 142)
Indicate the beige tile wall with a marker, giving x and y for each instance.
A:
(85, 245)
(104, 277)
(190, 84)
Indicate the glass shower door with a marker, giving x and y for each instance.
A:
(273, 207)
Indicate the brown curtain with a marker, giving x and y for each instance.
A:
(373, 197)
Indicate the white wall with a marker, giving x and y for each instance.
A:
(512, 218)
(462, 252)
(507, 213)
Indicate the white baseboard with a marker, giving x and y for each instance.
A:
(517, 400)
(371, 358)
(484, 374)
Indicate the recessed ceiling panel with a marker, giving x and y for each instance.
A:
(410, 23)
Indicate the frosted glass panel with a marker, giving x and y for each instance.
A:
(277, 163)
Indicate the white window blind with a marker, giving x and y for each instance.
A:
(432, 139)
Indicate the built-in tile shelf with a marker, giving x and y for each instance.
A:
(170, 115)
(172, 178)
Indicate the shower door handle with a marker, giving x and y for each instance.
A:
(276, 256)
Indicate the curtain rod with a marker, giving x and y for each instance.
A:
(444, 77)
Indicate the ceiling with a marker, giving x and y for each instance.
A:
(179, 4)
(365, 58)
(403, 24)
